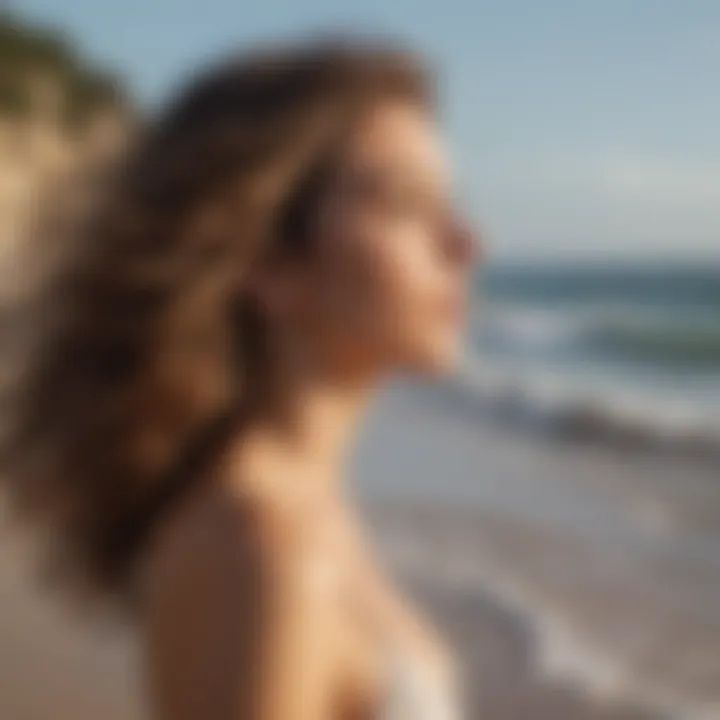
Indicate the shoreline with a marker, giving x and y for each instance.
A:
(498, 646)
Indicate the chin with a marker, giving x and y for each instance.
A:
(437, 361)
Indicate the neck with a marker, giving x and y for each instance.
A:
(309, 420)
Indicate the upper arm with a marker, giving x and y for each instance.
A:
(239, 624)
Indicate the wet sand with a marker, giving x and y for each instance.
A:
(53, 664)
(498, 650)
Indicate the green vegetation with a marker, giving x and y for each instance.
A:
(31, 55)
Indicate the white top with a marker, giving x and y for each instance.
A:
(413, 694)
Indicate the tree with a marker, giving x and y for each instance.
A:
(33, 57)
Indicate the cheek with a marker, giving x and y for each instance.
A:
(387, 291)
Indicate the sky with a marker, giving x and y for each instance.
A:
(586, 129)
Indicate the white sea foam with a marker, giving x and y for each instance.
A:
(609, 409)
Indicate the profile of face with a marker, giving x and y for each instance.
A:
(385, 284)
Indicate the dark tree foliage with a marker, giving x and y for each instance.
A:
(28, 52)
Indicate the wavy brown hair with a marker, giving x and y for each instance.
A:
(154, 351)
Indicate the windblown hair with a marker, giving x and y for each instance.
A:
(150, 347)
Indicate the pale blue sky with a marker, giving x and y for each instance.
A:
(586, 128)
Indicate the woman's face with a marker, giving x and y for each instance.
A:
(385, 284)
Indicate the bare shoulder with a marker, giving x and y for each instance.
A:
(238, 611)
(229, 537)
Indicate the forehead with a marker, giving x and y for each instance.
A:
(399, 137)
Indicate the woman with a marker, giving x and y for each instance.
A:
(281, 239)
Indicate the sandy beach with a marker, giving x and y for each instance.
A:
(575, 580)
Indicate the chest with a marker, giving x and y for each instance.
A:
(390, 649)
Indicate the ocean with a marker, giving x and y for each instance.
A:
(626, 351)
